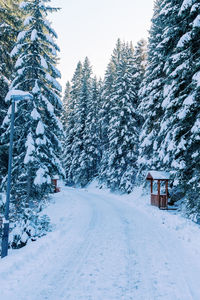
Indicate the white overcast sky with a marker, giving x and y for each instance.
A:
(92, 27)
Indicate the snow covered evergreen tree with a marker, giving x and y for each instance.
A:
(92, 131)
(138, 56)
(191, 105)
(172, 33)
(67, 94)
(81, 144)
(139, 67)
(37, 125)
(123, 127)
(9, 26)
(71, 107)
(180, 125)
(170, 93)
(66, 104)
(80, 163)
(107, 90)
(163, 35)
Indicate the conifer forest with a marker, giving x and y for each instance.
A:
(143, 115)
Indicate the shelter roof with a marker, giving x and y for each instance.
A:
(162, 175)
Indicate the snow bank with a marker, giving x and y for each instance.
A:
(106, 246)
(183, 228)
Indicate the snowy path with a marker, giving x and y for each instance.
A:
(103, 248)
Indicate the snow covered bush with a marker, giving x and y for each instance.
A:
(26, 223)
(33, 226)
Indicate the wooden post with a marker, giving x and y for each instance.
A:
(151, 186)
(159, 193)
(166, 187)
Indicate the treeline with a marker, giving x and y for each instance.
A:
(145, 114)
(28, 59)
(102, 121)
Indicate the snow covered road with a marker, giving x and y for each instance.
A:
(105, 247)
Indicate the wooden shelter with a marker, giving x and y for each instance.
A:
(159, 199)
(55, 179)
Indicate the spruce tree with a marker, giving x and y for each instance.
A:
(107, 90)
(139, 67)
(9, 27)
(163, 35)
(66, 103)
(180, 129)
(170, 97)
(123, 127)
(172, 33)
(80, 164)
(37, 126)
(192, 152)
(71, 107)
(92, 131)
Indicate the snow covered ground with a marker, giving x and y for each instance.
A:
(106, 247)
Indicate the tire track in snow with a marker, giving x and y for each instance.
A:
(80, 256)
(69, 272)
(126, 290)
(111, 256)
(136, 281)
(160, 281)
(133, 275)
(52, 274)
(102, 277)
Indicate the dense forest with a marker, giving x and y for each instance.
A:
(28, 55)
(144, 114)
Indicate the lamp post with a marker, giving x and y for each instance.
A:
(14, 96)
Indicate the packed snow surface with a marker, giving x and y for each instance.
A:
(106, 247)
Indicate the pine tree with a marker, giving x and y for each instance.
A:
(9, 26)
(170, 92)
(71, 108)
(163, 35)
(37, 125)
(67, 94)
(137, 72)
(80, 168)
(180, 125)
(192, 120)
(123, 127)
(107, 90)
(139, 67)
(66, 104)
(92, 131)
(172, 32)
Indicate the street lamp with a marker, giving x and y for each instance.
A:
(14, 95)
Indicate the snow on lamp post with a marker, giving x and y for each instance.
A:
(14, 95)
